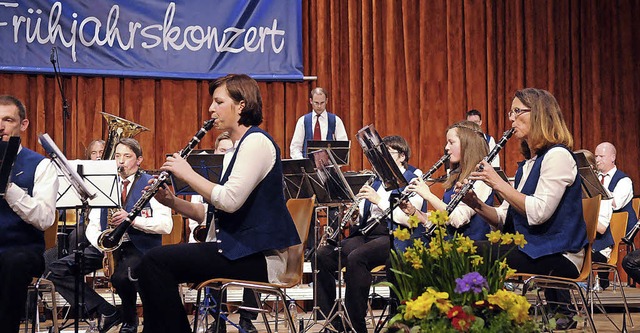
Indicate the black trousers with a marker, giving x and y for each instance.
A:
(17, 268)
(163, 268)
(631, 264)
(359, 255)
(127, 258)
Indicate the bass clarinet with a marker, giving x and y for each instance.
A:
(347, 218)
(110, 240)
(405, 195)
(469, 185)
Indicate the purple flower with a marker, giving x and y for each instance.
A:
(471, 281)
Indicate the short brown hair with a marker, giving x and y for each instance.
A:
(133, 144)
(10, 100)
(242, 88)
(398, 143)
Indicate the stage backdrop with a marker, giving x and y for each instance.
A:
(149, 38)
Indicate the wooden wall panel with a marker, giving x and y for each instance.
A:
(408, 67)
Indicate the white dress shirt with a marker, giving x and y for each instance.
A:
(496, 161)
(557, 172)
(462, 214)
(39, 209)
(604, 220)
(160, 223)
(399, 217)
(297, 142)
(622, 193)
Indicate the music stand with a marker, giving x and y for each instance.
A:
(297, 174)
(331, 185)
(8, 153)
(206, 165)
(591, 186)
(84, 194)
(376, 151)
(340, 149)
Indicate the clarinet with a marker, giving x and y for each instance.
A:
(405, 195)
(347, 218)
(110, 240)
(469, 185)
(628, 238)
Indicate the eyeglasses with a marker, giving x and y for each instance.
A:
(517, 112)
(319, 103)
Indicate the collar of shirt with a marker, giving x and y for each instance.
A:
(323, 114)
(611, 172)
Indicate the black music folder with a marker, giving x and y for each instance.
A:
(207, 165)
(297, 175)
(8, 153)
(340, 149)
(591, 186)
(330, 185)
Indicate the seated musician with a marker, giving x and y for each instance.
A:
(467, 147)
(603, 243)
(362, 253)
(144, 234)
(545, 205)
(26, 210)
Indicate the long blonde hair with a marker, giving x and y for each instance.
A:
(473, 148)
(547, 126)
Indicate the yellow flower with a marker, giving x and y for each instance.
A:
(435, 251)
(465, 245)
(507, 239)
(401, 234)
(413, 221)
(412, 257)
(517, 306)
(476, 260)
(519, 240)
(494, 236)
(503, 264)
(510, 272)
(421, 306)
(439, 217)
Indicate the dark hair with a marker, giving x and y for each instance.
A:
(132, 144)
(398, 143)
(242, 88)
(10, 100)
(318, 91)
(474, 112)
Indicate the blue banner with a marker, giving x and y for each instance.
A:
(195, 39)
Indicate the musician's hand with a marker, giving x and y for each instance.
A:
(164, 195)
(418, 186)
(178, 166)
(118, 217)
(470, 199)
(367, 192)
(488, 175)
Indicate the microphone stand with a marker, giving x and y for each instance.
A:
(65, 104)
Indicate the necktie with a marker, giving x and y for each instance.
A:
(123, 198)
(602, 179)
(316, 130)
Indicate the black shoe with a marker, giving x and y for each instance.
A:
(564, 324)
(109, 322)
(129, 328)
(221, 329)
(246, 326)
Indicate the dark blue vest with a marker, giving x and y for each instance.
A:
(14, 232)
(631, 220)
(140, 239)
(263, 222)
(308, 130)
(487, 137)
(477, 229)
(565, 231)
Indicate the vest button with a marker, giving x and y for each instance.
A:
(217, 230)
(218, 241)
(219, 250)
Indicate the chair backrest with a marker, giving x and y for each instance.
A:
(51, 234)
(175, 236)
(618, 226)
(301, 211)
(590, 212)
(635, 203)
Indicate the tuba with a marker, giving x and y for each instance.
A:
(118, 128)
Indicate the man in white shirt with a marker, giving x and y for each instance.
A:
(26, 210)
(318, 125)
(616, 181)
(144, 234)
(475, 116)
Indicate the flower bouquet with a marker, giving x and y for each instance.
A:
(446, 286)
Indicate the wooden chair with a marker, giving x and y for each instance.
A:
(175, 237)
(43, 285)
(618, 226)
(635, 203)
(301, 211)
(590, 211)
